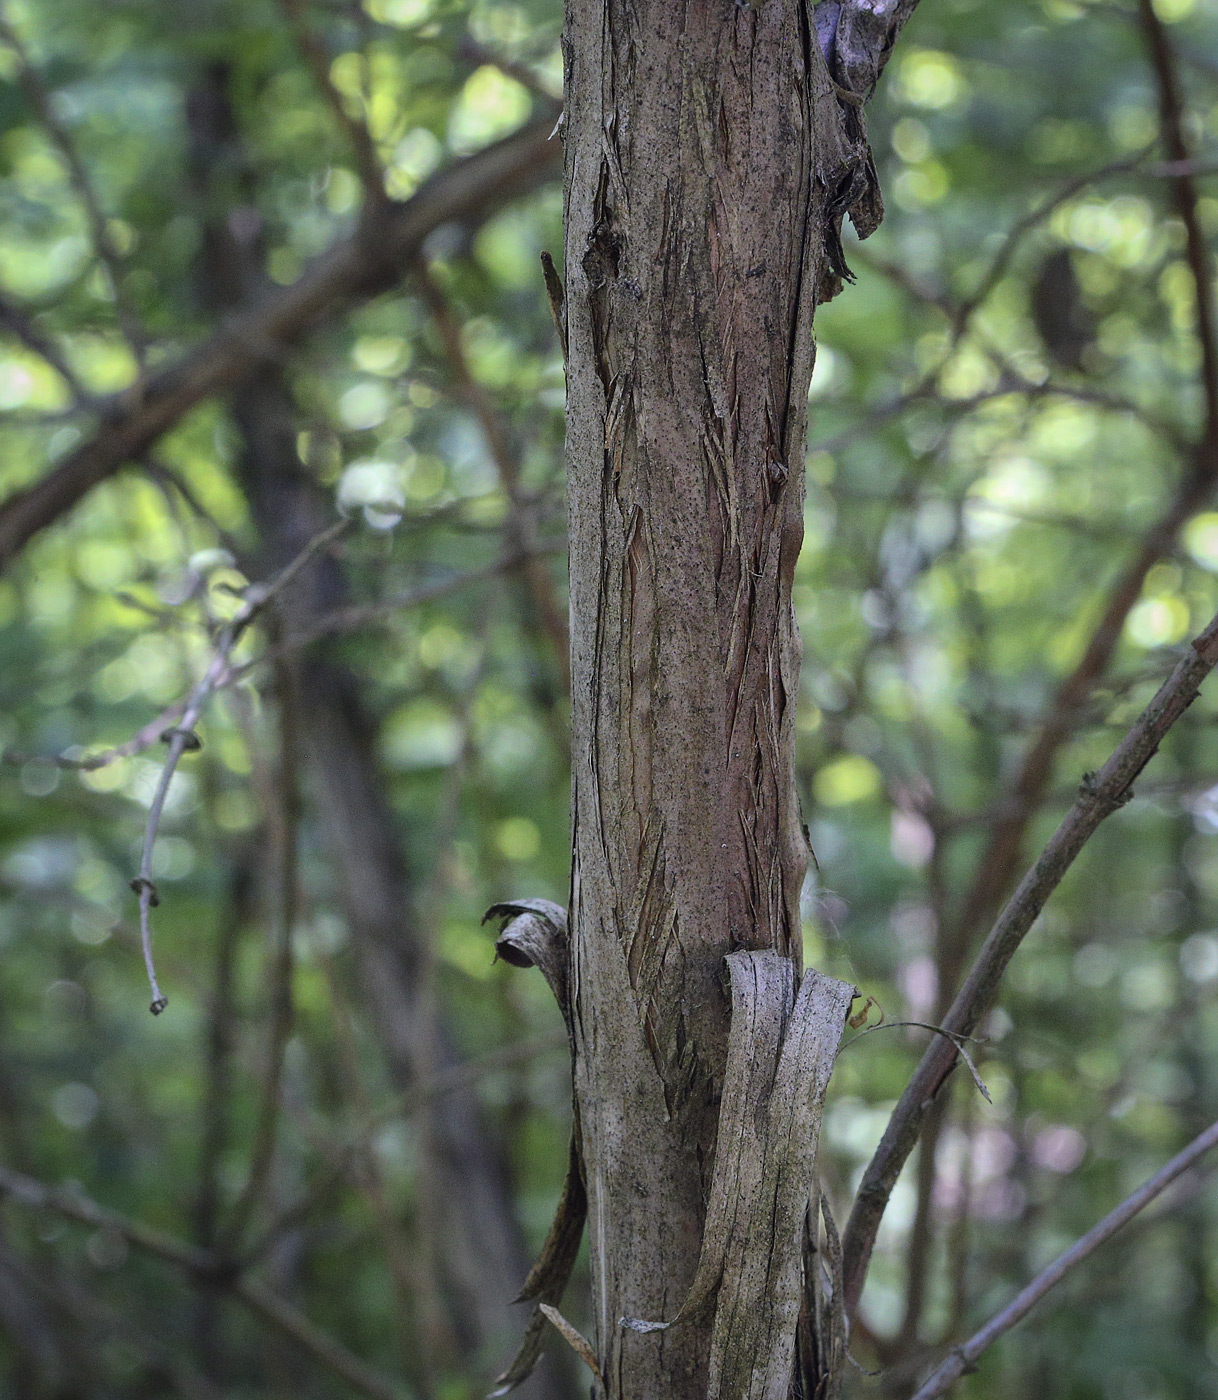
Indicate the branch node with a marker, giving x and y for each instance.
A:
(139, 884)
(192, 742)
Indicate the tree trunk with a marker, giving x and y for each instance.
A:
(708, 164)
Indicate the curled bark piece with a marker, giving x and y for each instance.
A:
(763, 989)
(781, 1050)
(548, 1276)
(525, 1359)
(535, 934)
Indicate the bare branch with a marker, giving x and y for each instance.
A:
(963, 1358)
(363, 148)
(183, 738)
(1099, 796)
(203, 1265)
(1200, 263)
(103, 243)
(371, 261)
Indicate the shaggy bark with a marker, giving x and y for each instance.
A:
(710, 157)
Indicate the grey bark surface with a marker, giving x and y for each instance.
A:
(709, 161)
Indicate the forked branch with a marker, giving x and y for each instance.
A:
(1100, 794)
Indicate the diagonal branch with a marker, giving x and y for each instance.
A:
(201, 1264)
(43, 106)
(1184, 190)
(16, 319)
(359, 138)
(999, 862)
(371, 261)
(1099, 796)
(963, 1358)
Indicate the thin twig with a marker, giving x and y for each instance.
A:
(1100, 795)
(1026, 225)
(16, 319)
(957, 1040)
(471, 51)
(165, 476)
(215, 1106)
(403, 1262)
(521, 527)
(143, 739)
(103, 243)
(359, 615)
(452, 1080)
(339, 622)
(963, 1358)
(182, 737)
(320, 1345)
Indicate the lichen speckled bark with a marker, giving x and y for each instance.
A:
(709, 158)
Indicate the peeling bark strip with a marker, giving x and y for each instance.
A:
(710, 158)
(535, 935)
(712, 150)
(780, 1053)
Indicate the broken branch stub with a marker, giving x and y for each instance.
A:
(534, 934)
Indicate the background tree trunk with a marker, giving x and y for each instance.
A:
(704, 151)
(475, 1256)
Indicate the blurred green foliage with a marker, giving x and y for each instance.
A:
(971, 499)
